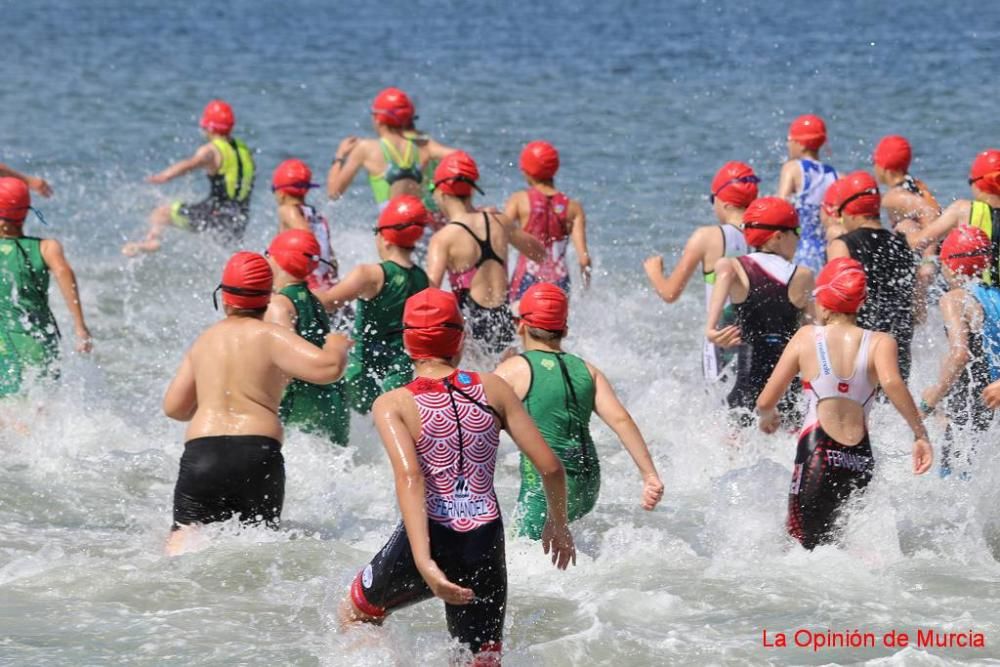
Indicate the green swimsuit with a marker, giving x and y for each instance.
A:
(560, 399)
(314, 408)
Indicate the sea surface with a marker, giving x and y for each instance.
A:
(645, 100)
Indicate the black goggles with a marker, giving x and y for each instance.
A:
(460, 179)
(300, 185)
(314, 258)
(443, 325)
(238, 291)
(982, 252)
(770, 228)
(38, 214)
(855, 196)
(741, 179)
(973, 181)
(398, 227)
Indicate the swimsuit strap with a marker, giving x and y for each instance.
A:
(486, 252)
(573, 409)
(458, 422)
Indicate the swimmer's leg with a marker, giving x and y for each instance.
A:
(180, 537)
(161, 218)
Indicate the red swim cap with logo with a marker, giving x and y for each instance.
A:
(966, 250)
(218, 118)
(736, 184)
(403, 220)
(293, 177)
(433, 327)
(841, 286)
(808, 130)
(392, 107)
(540, 160)
(246, 281)
(544, 306)
(296, 251)
(859, 195)
(765, 217)
(457, 174)
(893, 153)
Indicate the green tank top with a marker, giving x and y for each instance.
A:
(234, 180)
(24, 290)
(985, 217)
(303, 403)
(561, 400)
(378, 322)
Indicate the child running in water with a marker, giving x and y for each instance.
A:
(228, 387)
(965, 370)
(733, 189)
(378, 361)
(29, 335)
(770, 295)
(842, 366)
(290, 184)
(230, 168)
(560, 391)
(804, 180)
(441, 433)
(315, 408)
(552, 218)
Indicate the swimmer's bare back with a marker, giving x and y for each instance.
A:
(231, 380)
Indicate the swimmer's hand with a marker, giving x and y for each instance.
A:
(585, 271)
(724, 337)
(39, 185)
(652, 492)
(653, 266)
(991, 396)
(923, 456)
(337, 342)
(84, 343)
(157, 179)
(770, 420)
(444, 589)
(345, 147)
(559, 541)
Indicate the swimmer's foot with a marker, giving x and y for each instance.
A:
(136, 247)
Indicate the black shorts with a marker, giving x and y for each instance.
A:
(475, 559)
(491, 329)
(228, 475)
(826, 474)
(223, 219)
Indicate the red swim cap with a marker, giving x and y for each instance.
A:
(433, 327)
(966, 250)
(893, 153)
(403, 220)
(293, 178)
(544, 306)
(296, 251)
(246, 281)
(985, 172)
(859, 195)
(736, 184)
(15, 200)
(808, 130)
(218, 118)
(831, 198)
(540, 160)
(765, 217)
(841, 286)
(393, 108)
(457, 174)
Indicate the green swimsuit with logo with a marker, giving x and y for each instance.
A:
(378, 362)
(29, 336)
(314, 408)
(560, 399)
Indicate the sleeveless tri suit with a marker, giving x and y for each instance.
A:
(457, 452)
(716, 361)
(816, 178)
(226, 210)
(405, 165)
(560, 399)
(29, 335)
(548, 222)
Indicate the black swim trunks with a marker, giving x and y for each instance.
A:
(475, 559)
(491, 329)
(227, 475)
(228, 220)
(826, 474)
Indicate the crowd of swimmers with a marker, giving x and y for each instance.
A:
(808, 296)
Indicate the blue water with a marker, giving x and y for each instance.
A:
(644, 101)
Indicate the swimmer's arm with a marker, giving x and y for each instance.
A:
(52, 253)
(203, 158)
(784, 372)
(578, 234)
(954, 215)
(726, 282)
(885, 354)
(290, 217)
(438, 151)
(437, 258)
(513, 208)
(410, 490)
(788, 181)
(525, 243)
(349, 159)
(517, 373)
(953, 311)
(281, 312)
(613, 413)
(800, 294)
(298, 358)
(181, 400)
(836, 248)
(670, 288)
(39, 185)
(364, 282)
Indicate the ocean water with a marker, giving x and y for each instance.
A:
(644, 100)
